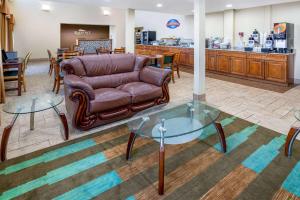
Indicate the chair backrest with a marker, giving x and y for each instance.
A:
(120, 50)
(168, 58)
(176, 58)
(79, 49)
(103, 50)
(49, 54)
(69, 55)
(26, 60)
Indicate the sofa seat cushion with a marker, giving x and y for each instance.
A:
(109, 99)
(141, 92)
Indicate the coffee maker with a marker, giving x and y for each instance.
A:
(284, 37)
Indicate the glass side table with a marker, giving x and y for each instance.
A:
(31, 105)
(293, 133)
(177, 125)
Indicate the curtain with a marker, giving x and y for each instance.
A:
(3, 33)
(4, 11)
(2, 88)
(11, 23)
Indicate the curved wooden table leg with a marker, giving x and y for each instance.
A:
(293, 133)
(131, 140)
(222, 137)
(5, 137)
(64, 122)
(161, 170)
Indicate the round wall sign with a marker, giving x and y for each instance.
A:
(173, 23)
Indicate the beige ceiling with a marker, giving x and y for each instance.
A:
(177, 6)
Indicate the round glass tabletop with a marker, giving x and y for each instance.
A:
(32, 104)
(162, 122)
(297, 114)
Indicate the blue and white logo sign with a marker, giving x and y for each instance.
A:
(173, 23)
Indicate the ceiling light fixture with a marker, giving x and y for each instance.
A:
(229, 6)
(46, 7)
(159, 5)
(106, 12)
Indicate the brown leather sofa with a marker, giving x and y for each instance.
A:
(101, 89)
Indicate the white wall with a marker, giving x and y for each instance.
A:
(154, 21)
(214, 24)
(37, 30)
(290, 13)
(263, 18)
(247, 20)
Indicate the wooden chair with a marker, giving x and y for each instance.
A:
(58, 75)
(176, 64)
(103, 50)
(51, 66)
(60, 52)
(69, 55)
(120, 50)
(79, 49)
(168, 61)
(13, 75)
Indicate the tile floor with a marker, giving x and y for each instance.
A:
(270, 109)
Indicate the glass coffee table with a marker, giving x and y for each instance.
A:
(177, 125)
(31, 105)
(292, 135)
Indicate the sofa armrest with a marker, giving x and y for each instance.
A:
(140, 62)
(76, 82)
(153, 75)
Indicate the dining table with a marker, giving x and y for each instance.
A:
(155, 58)
(15, 64)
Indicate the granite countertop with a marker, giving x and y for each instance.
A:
(233, 50)
(242, 50)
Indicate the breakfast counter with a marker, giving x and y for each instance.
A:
(275, 68)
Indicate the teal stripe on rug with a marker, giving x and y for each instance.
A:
(211, 129)
(130, 198)
(56, 175)
(237, 138)
(263, 156)
(49, 156)
(292, 182)
(93, 188)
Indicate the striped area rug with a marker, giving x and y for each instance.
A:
(94, 167)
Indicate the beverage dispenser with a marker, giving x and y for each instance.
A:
(284, 37)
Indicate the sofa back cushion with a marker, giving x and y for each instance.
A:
(99, 65)
(112, 81)
(106, 71)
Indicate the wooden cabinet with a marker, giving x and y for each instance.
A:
(223, 63)
(211, 62)
(273, 68)
(255, 68)
(276, 71)
(187, 58)
(238, 66)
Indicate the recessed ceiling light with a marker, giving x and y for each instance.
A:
(159, 5)
(229, 6)
(106, 12)
(45, 7)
